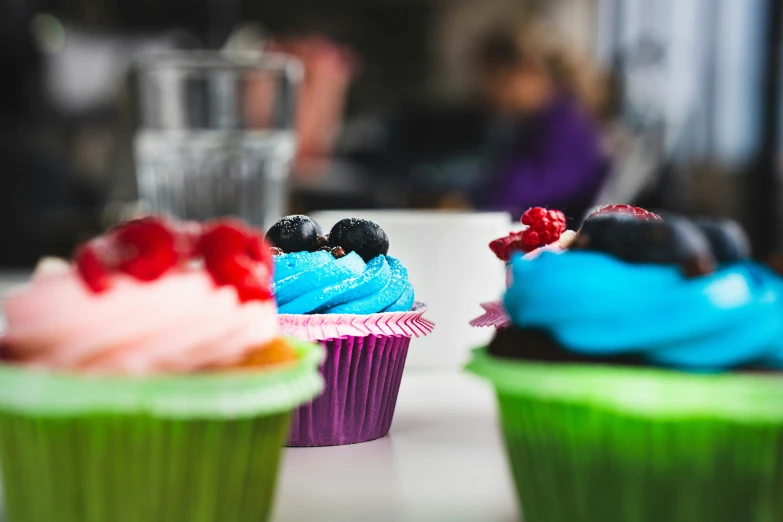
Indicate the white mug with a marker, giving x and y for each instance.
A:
(451, 268)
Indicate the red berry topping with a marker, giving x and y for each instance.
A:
(228, 236)
(91, 267)
(147, 248)
(505, 246)
(544, 227)
(237, 255)
(222, 237)
(251, 281)
(628, 210)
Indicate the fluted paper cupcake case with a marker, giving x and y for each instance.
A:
(365, 358)
(594, 443)
(161, 449)
(494, 316)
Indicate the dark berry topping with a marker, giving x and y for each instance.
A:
(727, 239)
(295, 234)
(674, 241)
(361, 236)
(338, 252)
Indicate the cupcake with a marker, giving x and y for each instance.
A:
(149, 380)
(638, 381)
(345, 292)
(542, 230)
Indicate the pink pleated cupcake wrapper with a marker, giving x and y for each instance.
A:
(494, 316)
(365, 358)
(318, 327)
(362, 376)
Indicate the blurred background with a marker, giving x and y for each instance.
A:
(478, 104)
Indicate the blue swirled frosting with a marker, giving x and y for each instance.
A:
(597, 306)
(316, 282)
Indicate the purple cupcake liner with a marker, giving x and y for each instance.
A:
(362, 377)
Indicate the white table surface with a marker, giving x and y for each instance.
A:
(443, 460)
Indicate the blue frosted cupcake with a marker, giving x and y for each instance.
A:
(345, 292)
(639, 380)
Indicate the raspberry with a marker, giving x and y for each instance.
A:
(222, 236)
(228, 269)
(236, 255)
(628, 210)
(238, 271)
(233, 236)
(147, 248)
(504, 246)
(544, 227)
(91, 268)
(253, 290)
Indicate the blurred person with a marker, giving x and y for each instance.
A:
(548, 151)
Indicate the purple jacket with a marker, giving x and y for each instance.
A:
(558, 163)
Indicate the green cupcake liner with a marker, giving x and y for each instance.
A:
(591, 443)
(186, 453)
(107, 468)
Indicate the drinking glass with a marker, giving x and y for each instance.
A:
(216, 134)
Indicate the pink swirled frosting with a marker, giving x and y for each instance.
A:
(177, 324)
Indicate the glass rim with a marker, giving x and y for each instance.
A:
(201, 59)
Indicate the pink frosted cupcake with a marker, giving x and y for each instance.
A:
(344, 291)
(149, 370)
